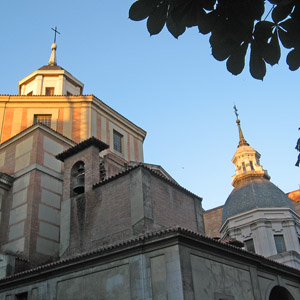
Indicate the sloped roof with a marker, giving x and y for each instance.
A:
(81, 146)
(153, 172)
(47, 67)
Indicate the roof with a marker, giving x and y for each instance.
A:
(141, 241)
(153, 172)
(47, 67)
(33, 126)
(92, 141)
(254, 192)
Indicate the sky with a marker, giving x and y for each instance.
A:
(172, 88)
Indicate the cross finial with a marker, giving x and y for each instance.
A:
(55, 31)
(236, 112)
(242, 142)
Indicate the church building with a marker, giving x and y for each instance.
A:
(84, 217)
(257, 212)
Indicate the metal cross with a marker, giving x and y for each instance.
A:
(236, 111)
(55, 30)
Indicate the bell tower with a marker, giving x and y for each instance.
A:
(82, 169)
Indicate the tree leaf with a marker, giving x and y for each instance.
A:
(180, 10)
(219, 32)
(293, 59)
(157, 18)
(289, 32)
(257, 64)
(208, 4)
(187, 13)
(263, 30)
(206, 22)
(222, 51)
(255, 9)
(271, 51)
(175, 29)
(236, 62)
(141, 9)
(276, 1)
(194, 13)
(282, 11)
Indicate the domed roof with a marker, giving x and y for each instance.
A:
(254, 192)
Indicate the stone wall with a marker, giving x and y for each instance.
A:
(164, 265)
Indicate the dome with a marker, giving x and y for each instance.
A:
(254, 193)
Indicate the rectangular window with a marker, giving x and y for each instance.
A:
(49, 91)
(279, 243)
(21, 296)
(244, 167)
(118, 141)
(250, 245)
(42, 119)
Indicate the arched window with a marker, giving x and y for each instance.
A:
(280, 293)
(77, 179)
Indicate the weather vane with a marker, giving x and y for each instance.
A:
(236, 112)
(55, 30)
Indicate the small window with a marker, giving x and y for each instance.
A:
(250, 245)
(118, 141)
(251, 165)
(42, 119)
(21, 296)
(279, 243)
(49, 91)
(244, 167)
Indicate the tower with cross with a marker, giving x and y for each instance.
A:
(52, 60)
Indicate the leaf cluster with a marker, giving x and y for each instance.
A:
(235, 27)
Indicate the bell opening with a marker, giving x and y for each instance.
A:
(79, 186)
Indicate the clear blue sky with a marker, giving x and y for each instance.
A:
(173, 89)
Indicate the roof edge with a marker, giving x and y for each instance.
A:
(92, 141)
(142, 240)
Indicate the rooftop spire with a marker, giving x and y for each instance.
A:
(242, 142)
(52, 60)
(246, 159)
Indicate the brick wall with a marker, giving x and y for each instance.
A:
(130, 204)
(171, 206)
(31, 209)
(212, 221)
